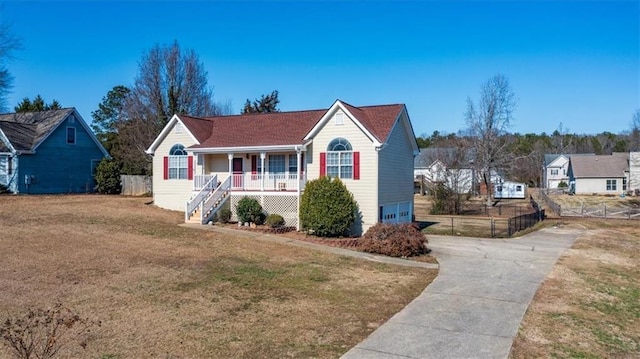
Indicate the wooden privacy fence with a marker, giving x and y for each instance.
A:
(135, 185)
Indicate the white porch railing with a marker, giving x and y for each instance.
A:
(202, 181)
(253, 182)
(268, 182)
(205, 190)
(212, 204)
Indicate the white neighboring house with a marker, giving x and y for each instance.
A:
(430, 166)
(509, 190)
(200, 163)
(556, 170)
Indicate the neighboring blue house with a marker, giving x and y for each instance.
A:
(48, 152)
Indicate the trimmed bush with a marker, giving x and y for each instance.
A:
(108, 177)
(249, 210)
(563, 184)
(394, 240)
(327, 208)
(274, 220)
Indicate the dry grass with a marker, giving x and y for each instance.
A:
(566, 200)
(171, 292)
(589, 306)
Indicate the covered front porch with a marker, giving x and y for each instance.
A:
(275, 171)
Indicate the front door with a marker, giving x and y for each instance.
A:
(237, 173)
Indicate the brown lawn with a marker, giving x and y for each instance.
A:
(589, 306)
(165, 291)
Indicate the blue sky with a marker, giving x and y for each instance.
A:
(570, 62)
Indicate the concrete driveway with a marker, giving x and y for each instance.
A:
(474, 307)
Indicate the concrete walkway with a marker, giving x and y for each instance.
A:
(474, 307)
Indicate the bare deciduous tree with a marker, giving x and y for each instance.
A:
(487, 120)
(8, 45)
(169, 81)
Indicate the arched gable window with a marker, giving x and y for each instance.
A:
(340, 160)
(178, 165)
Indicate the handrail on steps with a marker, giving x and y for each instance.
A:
(211, 202)
(196, 200)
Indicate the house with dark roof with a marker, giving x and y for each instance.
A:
(599, 174)
(201, 163)
(48, 152)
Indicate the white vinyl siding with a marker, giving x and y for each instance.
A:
(170, 194)
(365, 189)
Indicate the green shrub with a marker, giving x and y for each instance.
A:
(108, 177)
(327, 208)
(224, 215)
(563, 184)
(395, 240)
(249, 210)
(274, 220)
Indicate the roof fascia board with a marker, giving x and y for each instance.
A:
(327, 116)
(165, 131)
(90, 132)
(408, 129)
(6, 141)
(218, 150)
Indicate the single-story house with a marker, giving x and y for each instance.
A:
(509, 190)
(555, 170)
(48, 152)
(600, 174)
(200, 163)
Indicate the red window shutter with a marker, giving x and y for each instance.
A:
(356, 165)
(190, 167)
(166, 167)
(254, 164)
(323, 164)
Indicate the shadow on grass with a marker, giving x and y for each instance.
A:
(424, 224)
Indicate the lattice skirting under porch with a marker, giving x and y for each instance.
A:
(284, 205)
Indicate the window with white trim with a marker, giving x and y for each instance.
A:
(340, 158)
(624, 183)
(612, 185)
(554, 171)
(293, 164)
(276, 166)
(178, 166)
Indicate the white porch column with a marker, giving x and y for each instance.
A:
(230, 157)
(299, 167)
(262, 157)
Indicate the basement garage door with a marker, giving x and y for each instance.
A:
(399, 212)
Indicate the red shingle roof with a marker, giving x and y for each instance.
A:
(281, 128)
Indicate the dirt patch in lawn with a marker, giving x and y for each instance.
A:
(589, 306)
(162, 290)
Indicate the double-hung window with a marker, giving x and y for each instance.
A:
(178, 166)
(340, 159)
(293, 165)
(276, 166)
(554, 171)
(611, 185)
